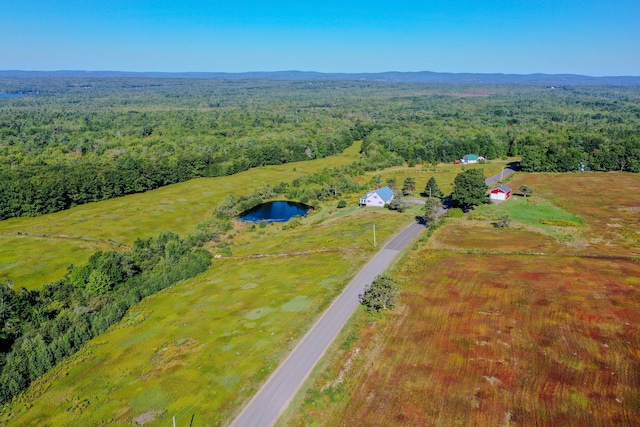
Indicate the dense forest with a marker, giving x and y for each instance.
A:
(77, 140)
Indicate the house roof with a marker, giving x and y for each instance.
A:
(471, 156)
(503, 187)
(385, 193)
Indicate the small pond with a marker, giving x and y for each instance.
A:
(12, 95)
(280, 211)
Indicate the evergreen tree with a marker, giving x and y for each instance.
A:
(431, 210)
(409, 185)
(432, 189)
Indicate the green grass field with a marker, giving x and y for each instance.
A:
(202, 347)
(177, 208)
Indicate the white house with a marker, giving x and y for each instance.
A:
(379, 197)
(471, 158)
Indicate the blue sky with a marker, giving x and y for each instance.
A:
(510, 36)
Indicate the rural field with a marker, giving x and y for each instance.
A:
(201, 348)
(35, 251)
(26, 259)
(534, 324)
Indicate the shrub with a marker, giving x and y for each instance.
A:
(381, 294)
(560, 223)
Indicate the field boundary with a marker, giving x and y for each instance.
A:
(65, 236)
(540, 254)
(290, 254)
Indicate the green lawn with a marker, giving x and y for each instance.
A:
(531, 211)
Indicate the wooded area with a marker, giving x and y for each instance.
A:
(77, 140)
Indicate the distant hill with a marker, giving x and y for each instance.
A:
(389, 77)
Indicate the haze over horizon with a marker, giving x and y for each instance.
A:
(588, 37)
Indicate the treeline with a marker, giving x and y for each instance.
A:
(584, 155)
(39, 328)
(81, 140)
(35, 189)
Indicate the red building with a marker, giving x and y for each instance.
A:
(501, 192)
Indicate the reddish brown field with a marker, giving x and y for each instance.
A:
(609, 203)
(499, 340)
(469, 235)
(502, 337)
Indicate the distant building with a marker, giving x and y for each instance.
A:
(379, 197)
(501, 192)
(471, 158)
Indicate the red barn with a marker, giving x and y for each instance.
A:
(501, 192)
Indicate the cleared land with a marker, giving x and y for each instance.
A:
(177, 208)
(35, 251)
(489, 338)
(202, 348)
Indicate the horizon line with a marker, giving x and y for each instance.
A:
(499, 73)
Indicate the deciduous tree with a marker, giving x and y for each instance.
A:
(469, 189)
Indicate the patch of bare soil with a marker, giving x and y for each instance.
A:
(147, 417)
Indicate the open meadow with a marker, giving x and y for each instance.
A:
(35, 251)
(25, 258)
(202, 347)
(527, 325)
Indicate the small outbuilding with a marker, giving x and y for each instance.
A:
(501, 192)
(469, 159)
(379, 197)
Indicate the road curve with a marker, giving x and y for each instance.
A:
(499, 176)
(277, 392)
